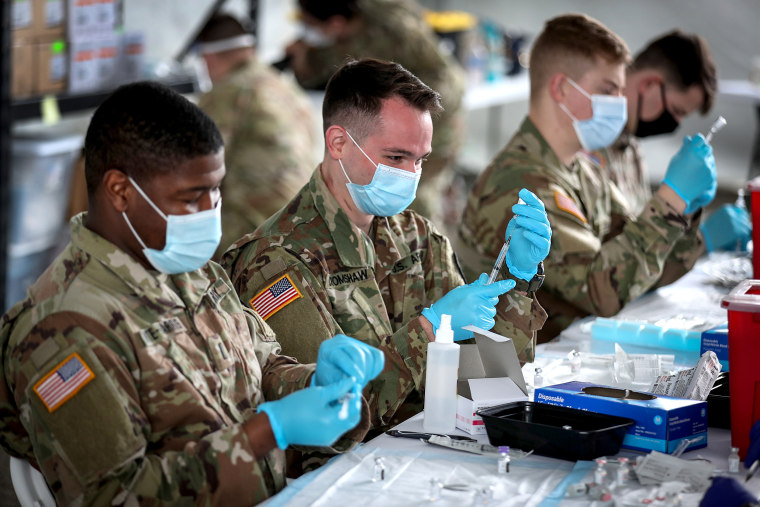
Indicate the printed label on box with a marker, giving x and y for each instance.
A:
(21, 14)
(661, 422)
(53, 12)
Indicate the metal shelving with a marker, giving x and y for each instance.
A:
(5, 139)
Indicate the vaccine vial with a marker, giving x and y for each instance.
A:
(672, 499)
(734, 461)
(600, 472)
(503, 464)
(575, 361)
(623, 475)
(538, 378)
(379, 473)
(435, 489)
(576, 490)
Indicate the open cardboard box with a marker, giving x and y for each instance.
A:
(489, 375)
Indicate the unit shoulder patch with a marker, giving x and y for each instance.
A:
(567, 205)
(275, 297)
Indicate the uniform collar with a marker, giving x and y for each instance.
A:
(355, 248)
(528, 135)
(530, 141)
(166, 291)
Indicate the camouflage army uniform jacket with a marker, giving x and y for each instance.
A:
(371, 287)
(602, 256)
(270, 144)
(626, 168)
(395, 30)
(130, 386)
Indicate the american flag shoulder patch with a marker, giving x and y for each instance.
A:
(275, 297)
(63, 382)
(568, 205)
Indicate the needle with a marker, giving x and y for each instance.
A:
(716, 126)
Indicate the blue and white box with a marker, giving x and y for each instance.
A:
(716, 339)
(662, 422)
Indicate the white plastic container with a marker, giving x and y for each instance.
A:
(42, 166)
(441, 380)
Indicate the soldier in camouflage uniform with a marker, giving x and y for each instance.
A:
(373, 275)
(673, 76)
(669, 79)
(602, 255)
(127, 380)
(267, 124)
(391, 30)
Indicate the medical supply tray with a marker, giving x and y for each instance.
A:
(558, 432)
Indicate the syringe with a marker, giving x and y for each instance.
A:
(716, 126)
(499, 261)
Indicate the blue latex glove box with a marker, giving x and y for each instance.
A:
(662, 422)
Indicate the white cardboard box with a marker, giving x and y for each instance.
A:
(489, 375)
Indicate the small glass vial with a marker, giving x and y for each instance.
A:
(600, 472)
(672, 499)
(623, 476)
(538, 378)
(576, 490)
(575, 361)
(435, 489)
(734, 461)
(503, 463)
(379, 472)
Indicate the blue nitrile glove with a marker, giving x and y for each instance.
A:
(691, 173)
(315, 416)
(728, 227)
(531, 236)
(342, 356)
(753, 451)
(727, 492)
(473, 304)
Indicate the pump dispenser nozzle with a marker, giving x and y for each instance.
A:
(445, 334)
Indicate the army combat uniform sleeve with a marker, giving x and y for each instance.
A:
(302, 325)
(599, 274)
(96, 439)
(627, 170)
(283, 375)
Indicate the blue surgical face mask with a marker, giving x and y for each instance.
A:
(606, 123)
(191, 240)
(390, 191)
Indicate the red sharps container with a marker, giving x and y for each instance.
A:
(743, 305)
(754, 188)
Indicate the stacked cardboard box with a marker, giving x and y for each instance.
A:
(74, 46)
(39, 63)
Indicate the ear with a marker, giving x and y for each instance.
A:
(558, 87)
(648, 81)
(335, 26)
(117, 189)
(335, 141)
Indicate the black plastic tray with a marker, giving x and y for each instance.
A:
(719, 403)
(558, 432)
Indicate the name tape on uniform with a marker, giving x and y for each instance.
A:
(275, 297)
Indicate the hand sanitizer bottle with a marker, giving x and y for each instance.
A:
(441, 380)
